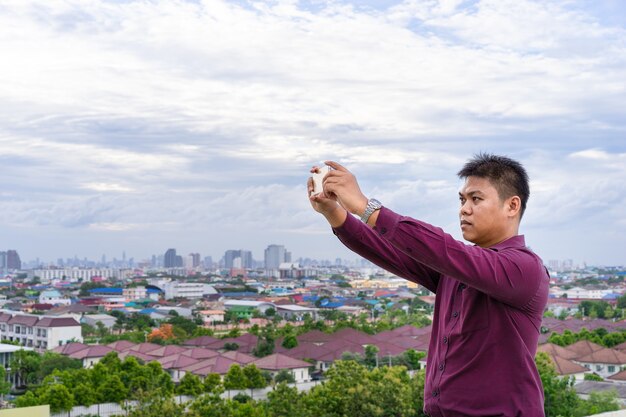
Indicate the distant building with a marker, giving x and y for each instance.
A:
(171, 260)
(238, 259)
(276, 255)
(53, 297)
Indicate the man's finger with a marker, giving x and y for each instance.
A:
(336, 165)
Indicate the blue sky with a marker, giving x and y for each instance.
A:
(140, 125)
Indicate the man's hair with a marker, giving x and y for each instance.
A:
(507, 175)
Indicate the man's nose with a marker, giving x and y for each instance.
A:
(465, 208)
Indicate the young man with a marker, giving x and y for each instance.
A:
(490, 296)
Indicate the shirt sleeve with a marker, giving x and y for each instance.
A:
(511, 275)
(364, 241)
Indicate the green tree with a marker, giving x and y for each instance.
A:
(51, 361)
(290, 342)
(235, 378)
(29, 399)
(284, 401)
(254, 378)
(284, 376)
(598, 402)
(560, 397)
(212, 383)
(57, 396)
(85, 395)
(113, 390)
(371, 356)
(25, 365)
(5, 386)
(190, 384)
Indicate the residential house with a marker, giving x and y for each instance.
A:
(39, 332)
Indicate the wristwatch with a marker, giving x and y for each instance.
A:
(372, 206)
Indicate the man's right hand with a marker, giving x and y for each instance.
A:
(327, 206)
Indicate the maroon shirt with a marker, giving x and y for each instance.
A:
(488, 312)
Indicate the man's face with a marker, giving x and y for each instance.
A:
(483, 215)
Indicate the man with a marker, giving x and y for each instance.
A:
(490, 296)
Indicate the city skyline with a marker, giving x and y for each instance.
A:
(192, 125)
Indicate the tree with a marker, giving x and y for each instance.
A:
(112, 390)
(254, 378)
(190, 384)
(371, 356)
(235, 378)
(284, 401)
(290, 342)
(560, 396)
(5, 386)
(284, 376)
(212, 383)
(25, 365)
(229, 346)
(85, 395)
(29, 399)
(57, 396)
(51, 361)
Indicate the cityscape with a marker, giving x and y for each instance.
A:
(277, 320)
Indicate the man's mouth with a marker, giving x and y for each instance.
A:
(465, 223)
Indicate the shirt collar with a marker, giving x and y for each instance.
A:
(516, 241)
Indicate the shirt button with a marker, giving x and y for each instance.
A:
(456, 314)
(435, 393)
(462, 287)
(445, 340)
(441, 366)
(383, 230)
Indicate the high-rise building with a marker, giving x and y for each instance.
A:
(195, 259)
(276, 255)
(245, 262)
(3, 261)
(171, 260)
(13, 260)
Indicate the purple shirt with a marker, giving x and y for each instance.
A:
(487, 319)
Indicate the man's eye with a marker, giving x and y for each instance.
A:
(475, 199)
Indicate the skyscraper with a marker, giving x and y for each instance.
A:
(171, 260)
(13, 260)
(231, 255)
(276, 255)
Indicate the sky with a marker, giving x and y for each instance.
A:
(142, 125)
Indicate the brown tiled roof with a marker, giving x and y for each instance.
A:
(620, 376)
(144, 347)
(584, 347)
(121, 345)
(23, 320)
(239, 357)
(279, 361)
(176, 361)
(146, 358)
(97, 351)
(70, 348)
(57, 322)
(354, 336)
(621, 346)
(166, 351)
(201, 341)
(563, 366)
(315, 336)
(557, 350)
(200, 353)
(306, 350)
(218, 365)
(4, 317)
(604, 355)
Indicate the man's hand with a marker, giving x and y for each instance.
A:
(341, 185)
(325, 204)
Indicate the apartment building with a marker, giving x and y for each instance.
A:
(39, 332)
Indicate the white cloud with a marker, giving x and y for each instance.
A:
(135, 116)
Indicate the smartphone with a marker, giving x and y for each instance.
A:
(318, 178)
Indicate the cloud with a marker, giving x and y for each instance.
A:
(164, 117)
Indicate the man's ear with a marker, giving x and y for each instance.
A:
(514, 205)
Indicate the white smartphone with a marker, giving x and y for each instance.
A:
(318, 178)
